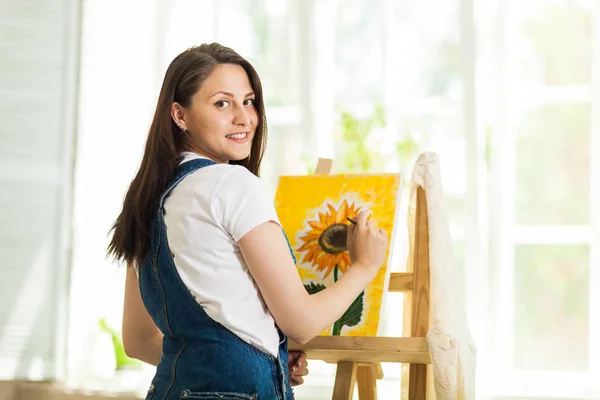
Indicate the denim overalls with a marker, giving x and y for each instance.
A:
(201, 359)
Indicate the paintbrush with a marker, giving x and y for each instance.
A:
(351, 220)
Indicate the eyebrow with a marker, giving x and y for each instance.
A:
(231, 94)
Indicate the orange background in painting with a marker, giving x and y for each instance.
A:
(300, 199)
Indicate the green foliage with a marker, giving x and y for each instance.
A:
(352, 154)
(406, 149)
(356, 156)
(309, 163)
(122, 361)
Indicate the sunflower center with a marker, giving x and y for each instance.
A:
(333, 239)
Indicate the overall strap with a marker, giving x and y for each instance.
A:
(181, 172)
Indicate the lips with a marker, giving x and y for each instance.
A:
(238, 136)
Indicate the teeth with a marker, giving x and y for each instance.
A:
(237, 136)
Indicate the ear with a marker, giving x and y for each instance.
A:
(178, 115)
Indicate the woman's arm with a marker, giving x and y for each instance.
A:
(141, 337)
(299, 315)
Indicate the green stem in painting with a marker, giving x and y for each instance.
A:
(337, 326)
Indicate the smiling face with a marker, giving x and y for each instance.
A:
(221, 121)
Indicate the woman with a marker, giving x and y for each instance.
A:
(215, 293)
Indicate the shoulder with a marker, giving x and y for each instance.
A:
(226, 172)
(220, 181)
(241, 202)
(212, 177)
(236, 178)
(225, 183)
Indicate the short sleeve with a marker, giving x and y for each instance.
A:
(241, 203)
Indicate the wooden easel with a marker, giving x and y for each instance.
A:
(358, 358)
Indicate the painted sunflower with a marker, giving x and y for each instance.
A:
(325, 244)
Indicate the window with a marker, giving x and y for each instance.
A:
(544, 228)
(505, 92)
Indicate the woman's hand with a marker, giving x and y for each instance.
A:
(367, 245)
(298, 367)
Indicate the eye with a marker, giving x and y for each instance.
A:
(249, 102)
(222, 103)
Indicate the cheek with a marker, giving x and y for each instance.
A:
(201, 122)
(215, 125)
(254, 115)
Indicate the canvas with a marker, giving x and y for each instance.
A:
(313, 211)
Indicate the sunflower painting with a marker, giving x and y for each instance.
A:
(313, 211)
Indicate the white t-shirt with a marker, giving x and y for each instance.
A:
(206, 214)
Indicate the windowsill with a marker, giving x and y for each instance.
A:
(551, 385)
(26, 390)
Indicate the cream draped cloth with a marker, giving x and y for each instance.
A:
(452, 350)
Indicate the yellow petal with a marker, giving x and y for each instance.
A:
(323, 218)
(317, 226)
(307, 245)
(342, 213)
(331, 217)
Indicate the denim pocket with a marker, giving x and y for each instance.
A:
(189, 395)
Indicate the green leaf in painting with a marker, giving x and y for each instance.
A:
(313, 288)
(353, 314)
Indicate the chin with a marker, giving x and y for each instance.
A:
(239, 157)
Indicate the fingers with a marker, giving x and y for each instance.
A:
(296, 357)
(302, 359)
(296, 380)
(350, 233)
(297, 362)
(361, 218)
(293, 356)
(371, 223)
(299, 369)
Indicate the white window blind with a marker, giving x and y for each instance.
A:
(38, 77)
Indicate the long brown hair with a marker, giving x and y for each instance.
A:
(186, 73)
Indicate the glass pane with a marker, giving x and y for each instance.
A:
(551, 307)
(260, 31)
(553, 166)
(559, 35)
(429, 49)
(274, 56)
(283, 155)
(359, 52)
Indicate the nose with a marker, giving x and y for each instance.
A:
(242, 116)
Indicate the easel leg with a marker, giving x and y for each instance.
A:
(417, 383)
(345, 378)
(367, 383)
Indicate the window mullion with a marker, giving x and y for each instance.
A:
(502, 191)
(476, 277)
(594, 307)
